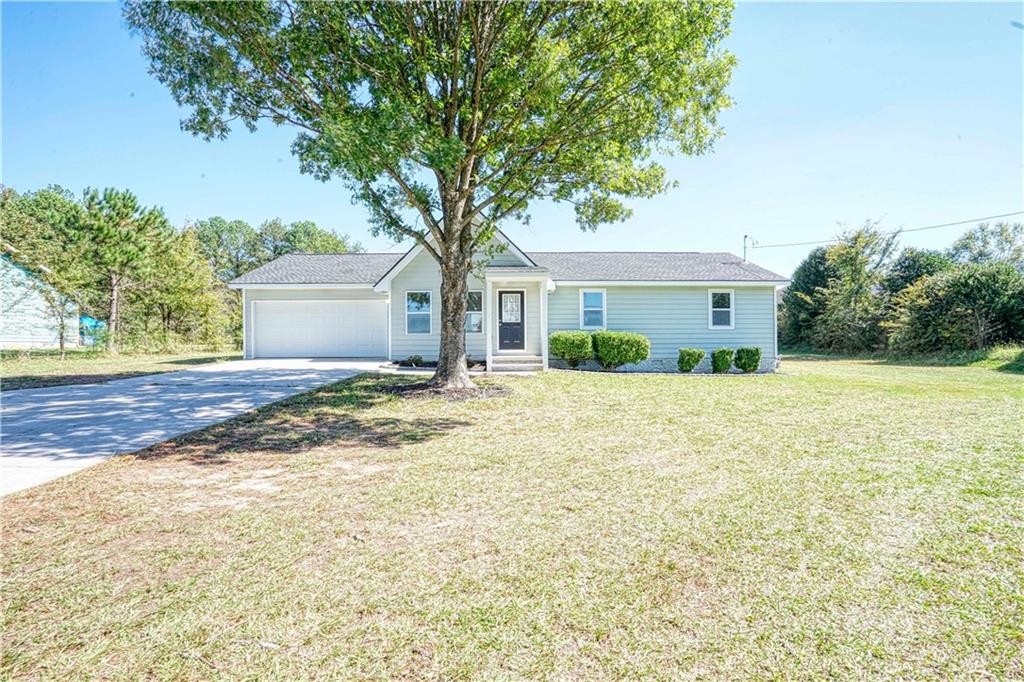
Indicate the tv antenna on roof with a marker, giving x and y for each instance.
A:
(753, 242)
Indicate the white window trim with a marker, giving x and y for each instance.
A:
(483, 322)
(604, 308)
(732, 309)
(405, 311)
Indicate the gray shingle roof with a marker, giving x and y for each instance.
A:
(685, 266)
(334, 268)
(368, 268)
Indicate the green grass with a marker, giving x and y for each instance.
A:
(1005, 358)
(839, 520)
(39, 368)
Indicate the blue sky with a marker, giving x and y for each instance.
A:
(906, 113)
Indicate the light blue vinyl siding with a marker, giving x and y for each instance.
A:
(675, 317)
(423, 274)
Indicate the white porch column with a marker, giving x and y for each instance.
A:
(543, 290)
(489, 321)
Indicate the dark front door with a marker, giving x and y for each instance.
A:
(511, 316)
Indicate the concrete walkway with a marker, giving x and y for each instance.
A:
(46, 433)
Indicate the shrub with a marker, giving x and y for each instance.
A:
(968, 307)
(614, 349)
(414, 361)
(572, 347)
(748, 359)
(721, 360)
(690, 358)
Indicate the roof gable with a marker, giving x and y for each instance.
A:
(384, 282)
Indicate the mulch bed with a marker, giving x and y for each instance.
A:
(423, 389)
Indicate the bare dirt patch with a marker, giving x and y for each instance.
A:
(426, 390)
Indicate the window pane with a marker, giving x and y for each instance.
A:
(418, 323)
(417, 302)
(721, 318)
(720, 300)
(475, 301)
(474, 323)
(593, 299)
(510, 311)
(593, 318)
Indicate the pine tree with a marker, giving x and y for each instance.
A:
(122, 239)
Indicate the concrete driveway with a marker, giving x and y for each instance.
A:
(46, 433)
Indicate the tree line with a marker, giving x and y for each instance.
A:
(863, 294)
(108, 256)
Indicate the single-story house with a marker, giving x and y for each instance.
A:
(388, 305)
(25, 320)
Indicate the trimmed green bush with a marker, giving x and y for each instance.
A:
(748, 359)
(690, 358)
(614, 349)
(571, 347)
(721, 360)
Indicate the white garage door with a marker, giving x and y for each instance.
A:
(320, 329)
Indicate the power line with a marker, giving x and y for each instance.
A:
(913, 229)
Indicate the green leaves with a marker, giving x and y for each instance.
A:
(122, 234)
(494, 105)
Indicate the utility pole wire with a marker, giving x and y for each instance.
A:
(913, 229)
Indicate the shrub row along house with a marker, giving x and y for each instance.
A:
(389, 305)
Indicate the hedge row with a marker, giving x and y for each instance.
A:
(615, 349)
(610, 349)
(745, 359)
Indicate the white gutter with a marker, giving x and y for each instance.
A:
(300, 286)
(668, 283)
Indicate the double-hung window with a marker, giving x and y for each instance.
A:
(475, 312)
(593, 309)
(417, 312)
(721, 308)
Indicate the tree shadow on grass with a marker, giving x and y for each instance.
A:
(331, 415)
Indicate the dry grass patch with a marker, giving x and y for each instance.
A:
(841, 519)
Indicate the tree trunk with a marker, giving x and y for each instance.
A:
(60, 331)
(451, 359)
(112, 322)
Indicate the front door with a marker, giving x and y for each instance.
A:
(511, 318)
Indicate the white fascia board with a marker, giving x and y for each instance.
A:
(516, 251)
(548, 283)
(384, 285)
(300, 286)
(668, 283)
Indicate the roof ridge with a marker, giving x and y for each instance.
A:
(706, 253)
(342, 253)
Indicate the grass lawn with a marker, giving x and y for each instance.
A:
(842, 519)
(36, 369)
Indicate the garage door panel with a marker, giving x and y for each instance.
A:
(320, 329)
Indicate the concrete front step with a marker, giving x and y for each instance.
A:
(515, 359)
(517, 367)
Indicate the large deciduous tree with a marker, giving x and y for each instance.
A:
(802, 303)
(446, 117)
(230, 246)
(122, 237)
(1002, 242)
